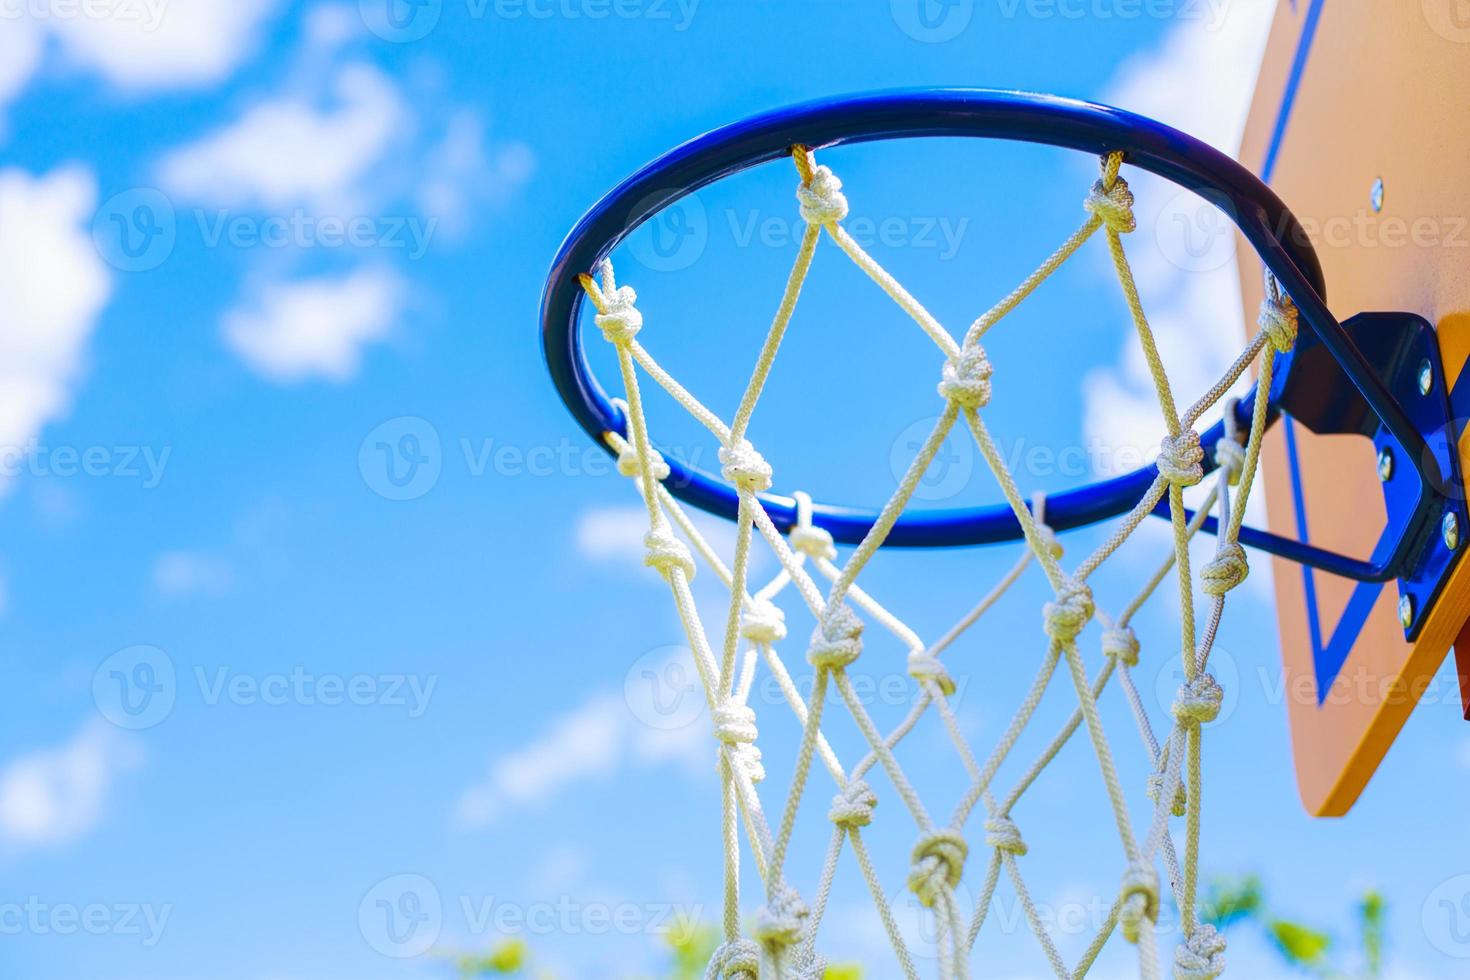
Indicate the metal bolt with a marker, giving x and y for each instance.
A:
(1450, 529)
(1426, 377)
(1376, 195)
(1385, 464)
(1406, 611)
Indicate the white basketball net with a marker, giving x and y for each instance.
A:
(783, 938)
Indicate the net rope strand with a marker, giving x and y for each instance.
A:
(781, 940)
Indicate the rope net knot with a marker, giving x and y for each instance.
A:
(782, 922)
(1181, 459)
(966, 380)
(1225, 571)
(1199, 701)
(925, 667)
(1121, 644)
(739, 959)
(821, 198)
(666, 553)
(814, 542)
(763, 622)
(1278, 321)
(735, 723)
(939, 860)
(1139, 900)
(617, 313)
(1002, 834)
(630, 464)
(837, 640)
(1179, 806)
(1050, 543)
(1069, 613)
(745, 467)
(1201, 956)
(1113, 205)
(853, 807)
(1230, 458)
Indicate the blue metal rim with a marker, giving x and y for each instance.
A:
(1263, 219)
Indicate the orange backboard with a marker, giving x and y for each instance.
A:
(1361, 123)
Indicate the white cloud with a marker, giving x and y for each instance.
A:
(162, 44)
(178, 574)
(464, 169)
(612, 533)
(328, 26)
(340, 144)
(592, 742)
(1200, 81)
(53, 285)
(21, 44)
(290, 152)
(57, 795)
(315, 328)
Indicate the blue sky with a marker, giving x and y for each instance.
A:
(281, 455)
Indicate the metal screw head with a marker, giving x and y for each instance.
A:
(1449, 529)
(1385, 464)
(1406, 611)
(1375, 196)
(1426, 377)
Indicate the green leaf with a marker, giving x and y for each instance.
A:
(1373, 914)
(692, 944)
(509, 957)
(1301, 945)
(1229, 900)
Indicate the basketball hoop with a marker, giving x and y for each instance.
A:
(1356, 376)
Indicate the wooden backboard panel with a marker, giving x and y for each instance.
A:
(1350, 93)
